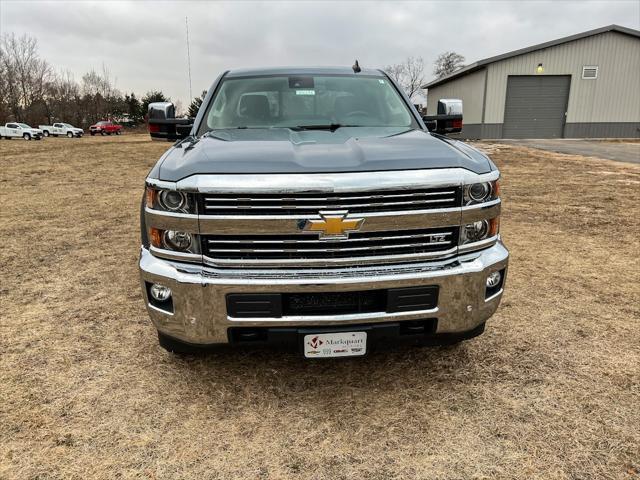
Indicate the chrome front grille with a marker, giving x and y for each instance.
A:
(310, 203)
(302, 248)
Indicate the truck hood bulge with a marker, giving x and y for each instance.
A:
(281, 150)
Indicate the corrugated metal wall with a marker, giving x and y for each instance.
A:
(613, 97)
(470, 89)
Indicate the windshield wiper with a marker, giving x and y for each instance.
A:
(332, 127)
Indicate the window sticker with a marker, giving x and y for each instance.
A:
(305, 92)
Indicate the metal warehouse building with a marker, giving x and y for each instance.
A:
(585, 85)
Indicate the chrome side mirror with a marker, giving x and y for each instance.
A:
(448, 119)
(161, 111)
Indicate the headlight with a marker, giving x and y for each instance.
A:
(481, 192)
(174, 240)
(180, 241)
(480, 230)
(170, 200)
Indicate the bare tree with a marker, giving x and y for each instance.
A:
(408, 74)
(446, 63)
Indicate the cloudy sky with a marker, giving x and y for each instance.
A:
(143, 44)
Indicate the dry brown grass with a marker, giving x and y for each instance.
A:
(551, 390)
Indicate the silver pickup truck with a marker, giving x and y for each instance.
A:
(313, 208)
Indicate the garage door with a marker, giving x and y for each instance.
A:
(536, 106)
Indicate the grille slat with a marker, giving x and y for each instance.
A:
(309, 246)
(310, 203)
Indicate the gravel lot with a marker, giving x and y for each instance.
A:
(551, 390)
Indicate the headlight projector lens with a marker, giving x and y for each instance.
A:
(172, 200)
(478, 192)
(477, 231)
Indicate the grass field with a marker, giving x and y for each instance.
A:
(551, 390)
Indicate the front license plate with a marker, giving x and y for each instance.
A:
(343, 344)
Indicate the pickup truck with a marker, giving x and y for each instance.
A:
(64, 129)
(105, 128)
(315, 209)
(20, 130)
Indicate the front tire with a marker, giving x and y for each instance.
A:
(102, 133)
(45, 133)
(117, 132)
(26, 136)
(70, 134)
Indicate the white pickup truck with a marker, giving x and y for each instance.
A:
(11, 130)
(61, 129)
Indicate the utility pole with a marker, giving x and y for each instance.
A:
(186, 22)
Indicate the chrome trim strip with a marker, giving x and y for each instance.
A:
(328, 261)
(379, 316)
(322, 207)
(153, 307)
(480, 211)
(309, 239)
(347, 182)
(471, 247)
(494, 296)
(304, 250)
(186, 222)
(278, 197)
(179, 256)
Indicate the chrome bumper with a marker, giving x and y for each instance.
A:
(199, 293)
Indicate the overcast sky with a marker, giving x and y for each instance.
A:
(143, 44)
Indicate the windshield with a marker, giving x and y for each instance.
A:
(24, 125)
(289, 101)
(67, 125)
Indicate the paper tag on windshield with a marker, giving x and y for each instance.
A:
(305, 92)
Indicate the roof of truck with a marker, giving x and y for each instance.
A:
(249, 72)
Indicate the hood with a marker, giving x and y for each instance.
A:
(281, 150)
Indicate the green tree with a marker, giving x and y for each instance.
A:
(196, 103)
(134, 107)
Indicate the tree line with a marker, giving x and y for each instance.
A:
(33, 92)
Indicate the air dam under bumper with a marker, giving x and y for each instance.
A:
(200, 308)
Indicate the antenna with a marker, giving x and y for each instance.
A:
(186, 22)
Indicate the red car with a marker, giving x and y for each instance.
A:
(105, 127)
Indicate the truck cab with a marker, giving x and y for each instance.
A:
(314, 208)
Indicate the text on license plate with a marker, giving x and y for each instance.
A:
(343, 344)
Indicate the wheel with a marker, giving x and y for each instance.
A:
(176, 346)
(102, 133)
(45, 133)
(117, 132)
(26, 136)
(70, 134)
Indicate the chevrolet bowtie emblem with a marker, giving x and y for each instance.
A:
(334, 225)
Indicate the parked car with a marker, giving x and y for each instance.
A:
(61, 129)
(17, 130)
(315, 208)
(105, 128)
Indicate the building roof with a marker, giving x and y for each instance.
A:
(481, 63)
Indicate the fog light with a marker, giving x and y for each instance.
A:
(493, 280)
(160, 292)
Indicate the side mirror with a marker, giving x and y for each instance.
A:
(164, 126)
(449, 117)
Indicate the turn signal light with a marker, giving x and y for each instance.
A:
(155, 235)
(494, 226)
